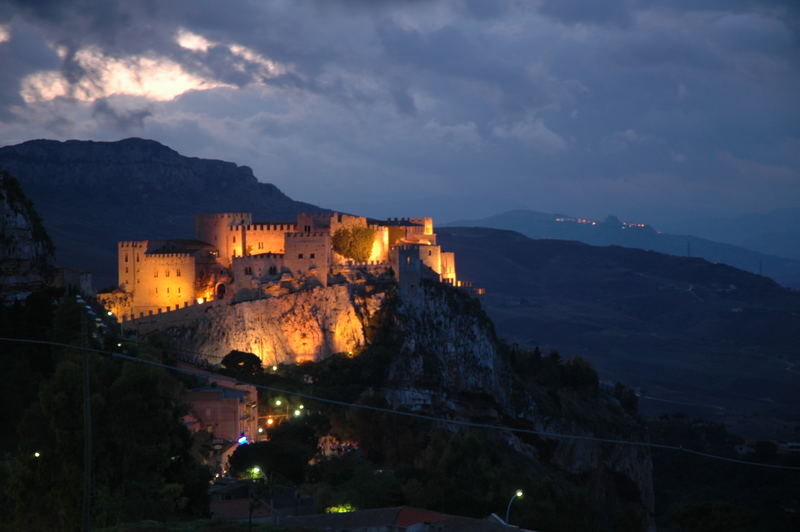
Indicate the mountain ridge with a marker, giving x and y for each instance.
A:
(93, 194)
(611, 231)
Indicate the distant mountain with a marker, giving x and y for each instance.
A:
(612, 231)
(776, 232)
(695, 336)
(92, 194)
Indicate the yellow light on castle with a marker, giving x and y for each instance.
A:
(200, 300)
(270, 421)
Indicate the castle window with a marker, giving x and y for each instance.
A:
(155, 273)
(273, 270)
(126, 269)
(178, 273)
(126, 257)
(248, 271)
(156, 289)
(430, 253)
(179, 289)
(168, 289)
(260, 245)
(234, 239)
(312, 255)
(308, 228)
(300, 256)
(408, 260)
(166, 273)
(137, 257)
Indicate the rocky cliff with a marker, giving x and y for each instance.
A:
(443, 359)
(26, 252)
(299, 326)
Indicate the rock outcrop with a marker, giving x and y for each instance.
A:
(26, 252)
(305, 325)
(446, 361)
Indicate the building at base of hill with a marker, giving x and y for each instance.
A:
(234, 258)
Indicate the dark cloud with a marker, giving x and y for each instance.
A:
(603, 12)
(516, 103)
(123, 120)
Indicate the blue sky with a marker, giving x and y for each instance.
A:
(650, 110)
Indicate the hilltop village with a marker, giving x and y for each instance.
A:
(234, 258)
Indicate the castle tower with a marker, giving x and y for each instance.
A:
(224, 231)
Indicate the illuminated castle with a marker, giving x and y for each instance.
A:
(234, 257)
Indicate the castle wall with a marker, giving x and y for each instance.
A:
(431, 256)
(305, 251)
(250, 272)
(164, 281)
(266, 238)
(224, 232)
(411, 230)
(380, 245)
(448, 267)
(327, 222)
(426, 223)
(129, 256)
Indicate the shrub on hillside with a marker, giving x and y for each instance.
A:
(354, 242)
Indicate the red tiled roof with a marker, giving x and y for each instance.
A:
(410, 516)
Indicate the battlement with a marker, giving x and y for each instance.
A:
(305, 235)
(356, 263)
(157, 255)
(285, 227)
(410, 247)
(258, 256)
(132, 243)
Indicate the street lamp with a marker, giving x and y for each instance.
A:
(517, 495)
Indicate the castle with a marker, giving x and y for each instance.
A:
(234, 258)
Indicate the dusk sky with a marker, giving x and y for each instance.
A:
(650, 110)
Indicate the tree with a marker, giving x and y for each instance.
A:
(242, 364)
(354, 242)
(143, 468)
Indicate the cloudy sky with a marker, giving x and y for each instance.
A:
(649, 109)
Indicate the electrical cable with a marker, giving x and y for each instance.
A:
(459, 422)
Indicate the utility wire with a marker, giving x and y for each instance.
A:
(459, 422)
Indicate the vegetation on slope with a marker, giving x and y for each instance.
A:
(354, 242)
(142, 454)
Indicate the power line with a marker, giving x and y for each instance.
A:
(459, 422)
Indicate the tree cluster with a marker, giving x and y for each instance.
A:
(142, 455)
(354, 242)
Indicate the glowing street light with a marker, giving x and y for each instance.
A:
(260, 430)
(274, 368)
(256, 470)
(297, 412)
(37, 454)
(270, 421)
(517, 495)
(278, 402)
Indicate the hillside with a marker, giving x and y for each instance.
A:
(704, 338)
(775, 232)
(612, 231)
(26, 251)
(92, 194)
